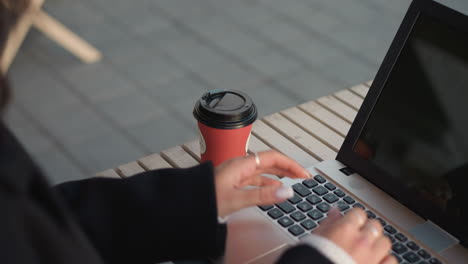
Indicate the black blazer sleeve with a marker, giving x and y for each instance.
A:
(303, 254)
(155, 216)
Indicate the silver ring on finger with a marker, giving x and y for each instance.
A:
(257, 159)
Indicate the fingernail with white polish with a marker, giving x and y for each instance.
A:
(284, 192)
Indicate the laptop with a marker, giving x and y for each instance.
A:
(404, 160)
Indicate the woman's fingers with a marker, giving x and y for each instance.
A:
(259, 180)
(371, 231)
(389, 259)
(382, 247)
(356, 217)
(265, 195)
(272, 162)
(363, 239)
(280, 173)
(332, 217)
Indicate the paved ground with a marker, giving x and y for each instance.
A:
(161, 55)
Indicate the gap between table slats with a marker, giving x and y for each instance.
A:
(314, 127)
(360, 90)
(349, 98)
(337, 107)
(300, 137)
(326, 117)
(275, 140)
(178, 157)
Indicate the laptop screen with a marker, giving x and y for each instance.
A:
(418, 129)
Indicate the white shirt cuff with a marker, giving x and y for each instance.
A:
(222, 220)
(329, 249)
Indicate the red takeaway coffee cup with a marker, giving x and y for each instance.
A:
(225, 120)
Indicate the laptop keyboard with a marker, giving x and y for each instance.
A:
(313, 199)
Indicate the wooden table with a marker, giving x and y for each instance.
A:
(308, 133)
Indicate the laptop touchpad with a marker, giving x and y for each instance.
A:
(252, 236)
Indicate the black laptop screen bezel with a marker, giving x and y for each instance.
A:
(366, 168)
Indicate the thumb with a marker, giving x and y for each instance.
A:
(266, 195)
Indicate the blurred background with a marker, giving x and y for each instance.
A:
(160, 56)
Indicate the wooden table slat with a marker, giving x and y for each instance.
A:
(256, 145)
(193, 148)
(110, 173)
(326, 117)
(280, 143)
(314, 127)
(349, 98)
(153, 162)
(179, 158)
(337, 107)
(360, 90)
(130, 169)
(307, 142)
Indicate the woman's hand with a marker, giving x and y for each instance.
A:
(232, 176)
(361, 238)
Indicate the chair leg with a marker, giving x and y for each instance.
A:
(66, 38)
(14, 41)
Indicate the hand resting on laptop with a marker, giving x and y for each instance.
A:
(342, 239)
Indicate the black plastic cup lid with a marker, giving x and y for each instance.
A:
(225, 109)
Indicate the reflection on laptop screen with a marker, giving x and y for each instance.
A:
(418, 130)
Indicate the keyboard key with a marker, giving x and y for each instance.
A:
(412, 245)
(286, 207)
(301, 189)
(423, 262)
(295, 199)
(401, 237)
(310, 183)
(411, 257)
(296, 230)
(266, 207)
(399, 259)
(315, 214)
(320, 190)
(330, 186)
(320, 178)
(308, 224)
(382, 222)
(324, 207)
(330, 198)
(347, 171)
(304, 206)
(342, 206)
(392, 239)
(434, 261)
(298, 216)
(424, 254)
(359, 205)
(285, 221)
(399, 248)
(349, 199)
(390, 229)
(339, 193)
(370, 214)
(275, 213)
(313, 199)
